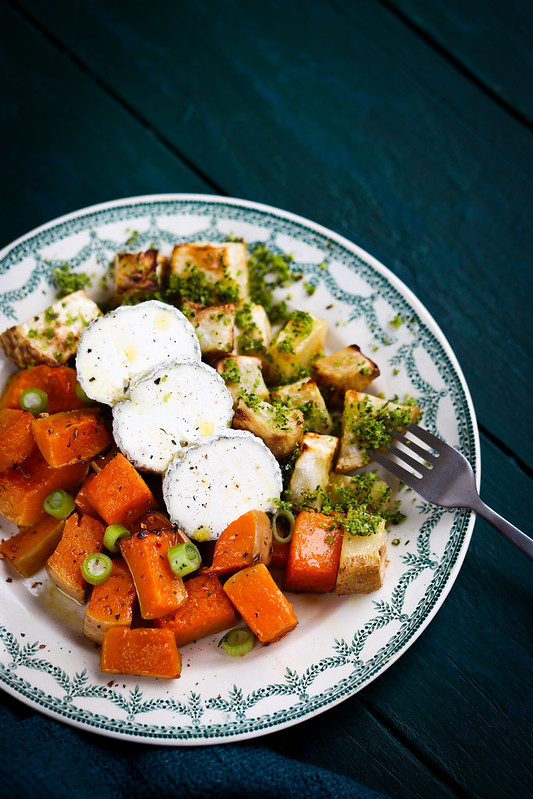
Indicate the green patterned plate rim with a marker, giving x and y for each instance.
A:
(341, 643)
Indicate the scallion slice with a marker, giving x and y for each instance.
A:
(287, 519)
(238, 642)
(112, 536)
(96, 568)
(34, 400)
(80, 393)
(184, 559)
(59, 504)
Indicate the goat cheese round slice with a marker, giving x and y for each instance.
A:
(217, 481)
(168, 409)
(120, 346)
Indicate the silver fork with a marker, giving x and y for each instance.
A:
(443, 477)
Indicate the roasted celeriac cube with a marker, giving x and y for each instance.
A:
(363, 559)
(366, 489)
(280, 428)
(367, 422)
(305, 395)
(347, 369)
(223, 264)
(215, 328)
(138, 274)
(253, 332)
(294, 348)
(242, 374)
(312, 468)
(50, 337)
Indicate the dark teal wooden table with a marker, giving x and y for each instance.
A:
(406, 126)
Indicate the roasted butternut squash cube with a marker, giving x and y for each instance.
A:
(81, 537)
(16, 439)
(29, 549)
(111, 603)
(143, 652)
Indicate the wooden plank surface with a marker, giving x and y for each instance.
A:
(349, 118)
(490, 40)
(345, 114)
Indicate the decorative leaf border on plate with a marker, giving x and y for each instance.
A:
(192, 719)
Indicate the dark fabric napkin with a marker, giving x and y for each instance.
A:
(41, 757)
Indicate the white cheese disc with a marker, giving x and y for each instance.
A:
(168, 409)
(125, 343)
(217, 481)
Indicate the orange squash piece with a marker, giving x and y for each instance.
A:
(59, 383)
(264, 608)
(29, 549)
(16, 438)
(71, 436)
(207, 611)
(81, 537)
(280, 553)
(24, 488)
(314, 554)
(245, 541)
(143, 652)
(111, 603)
(119, 494)
(159, 590)
(82, 503)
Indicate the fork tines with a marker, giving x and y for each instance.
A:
(425, 460)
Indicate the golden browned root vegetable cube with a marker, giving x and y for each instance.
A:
(363, 561)
(367, 422)
(312, 468)
(294, 348)
(280, 428)
(242, 374)
(347, 369)
(305, 395)
(253, 332)
(215, 328)
(50, 337)
(226, 264)
(137, 274)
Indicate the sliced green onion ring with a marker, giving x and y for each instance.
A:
(96, 568)
(112, 536)
(184, 559)
(59, 504)
(34, 400)
(288, 520)
(238, 642)
(80, 393)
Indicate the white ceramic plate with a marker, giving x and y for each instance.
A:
(341, 643)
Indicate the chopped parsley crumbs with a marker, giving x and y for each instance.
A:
(194, 286)
(250, 341)
(67, 281)
(371, 426)
(267, 271)
(231, 372)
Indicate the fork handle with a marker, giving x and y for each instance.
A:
(519, 539)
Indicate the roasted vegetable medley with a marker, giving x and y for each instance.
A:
(184, 459)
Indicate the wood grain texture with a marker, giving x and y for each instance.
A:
(490, 40)
(70, 144)
(344, 115)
